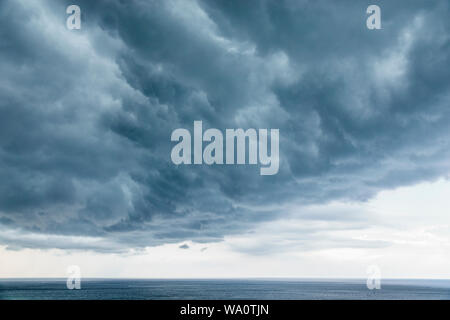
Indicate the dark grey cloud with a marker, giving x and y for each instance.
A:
(86, 115)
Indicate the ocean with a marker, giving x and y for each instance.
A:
(251, 289)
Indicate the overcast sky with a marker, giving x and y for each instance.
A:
(86, 118)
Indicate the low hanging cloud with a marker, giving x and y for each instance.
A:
(86, 115)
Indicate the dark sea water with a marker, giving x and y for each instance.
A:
(222, 289)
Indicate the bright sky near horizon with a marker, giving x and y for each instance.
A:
(409, 230)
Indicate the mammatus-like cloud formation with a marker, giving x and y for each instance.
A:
(86, 115)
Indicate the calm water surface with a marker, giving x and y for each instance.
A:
(222, 289)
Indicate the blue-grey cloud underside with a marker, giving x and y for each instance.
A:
(86, 115)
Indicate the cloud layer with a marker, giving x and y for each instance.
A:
(86, 115)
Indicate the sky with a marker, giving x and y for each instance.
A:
(86, 176)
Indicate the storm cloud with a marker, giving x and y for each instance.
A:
(86, 115)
